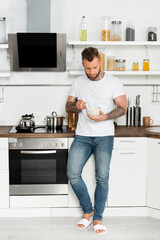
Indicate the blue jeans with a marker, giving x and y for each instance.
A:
(81, 149)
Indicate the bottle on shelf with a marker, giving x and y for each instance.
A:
(146, 64)
(106, 29)
(83, 33)
(135, 66)
(130, 32)
(3, 30)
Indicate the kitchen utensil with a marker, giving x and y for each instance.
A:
(147, 121)
(137, 100)
(129, 113)
(136, 116)
(137, 113)
(130, 119)
(26, 121)
(70, 120)
(27, 129)
(93, 111)
(59, 122)
(54, 122)
(51, 121)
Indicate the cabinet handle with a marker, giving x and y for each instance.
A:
(38, 152)
(132, 141)
(130, 153)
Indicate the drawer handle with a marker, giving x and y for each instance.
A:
(38, 152)
(127, 141)
(128, 153)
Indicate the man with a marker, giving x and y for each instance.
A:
(93, 134)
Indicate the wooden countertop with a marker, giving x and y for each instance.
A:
(120, 131)
(4, 132)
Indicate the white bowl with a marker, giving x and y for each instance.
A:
(93, 111)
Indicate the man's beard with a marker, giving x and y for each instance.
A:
(95, 76)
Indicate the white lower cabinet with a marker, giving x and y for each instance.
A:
(4, 174)
(3, 153)
(127, 184)
(4, 143)
(3, 159)
(153, 173)
(38, 201)
(4, 188)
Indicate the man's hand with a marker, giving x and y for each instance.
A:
(81, 105)
(100, 117)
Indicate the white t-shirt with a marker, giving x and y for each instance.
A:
(96, 94)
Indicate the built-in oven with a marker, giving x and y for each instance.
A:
(37, 166)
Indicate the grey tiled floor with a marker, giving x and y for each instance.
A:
(119, 228)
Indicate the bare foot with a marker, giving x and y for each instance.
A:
(95, 222)
(85, 216)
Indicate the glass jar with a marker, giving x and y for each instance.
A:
(106, 29)
(135, 66)
(130, 32)
(120, 64)
(102, 59)
(110, 63)
(116, 30)
(3, 30)
(152, 34)
(146, 64)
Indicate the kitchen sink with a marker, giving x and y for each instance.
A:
(153, 129)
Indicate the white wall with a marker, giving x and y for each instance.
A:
(65, 17)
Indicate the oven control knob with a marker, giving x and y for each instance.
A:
(62, 144)
(44, 145)
(20, 144)
(56, 144)
(14, 144)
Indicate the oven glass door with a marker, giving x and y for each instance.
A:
(43, 169)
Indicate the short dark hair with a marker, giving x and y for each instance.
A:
(90, 53)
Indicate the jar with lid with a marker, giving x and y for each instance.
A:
(135, 66)
(120, 64)
(116, 30)
(152, 34)
(130, 32)
(102, 59)
(83, 33)
(110, 63)
(106, 29)
(3, 30)
(146, 64)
